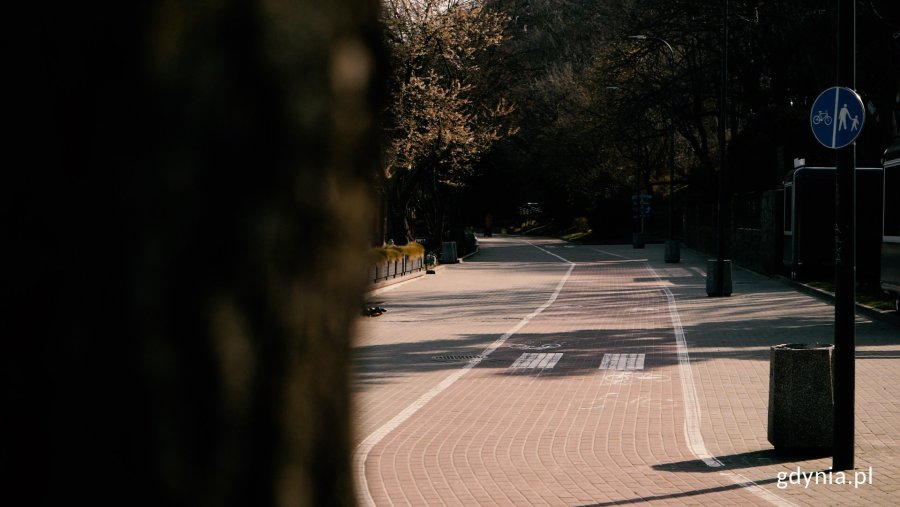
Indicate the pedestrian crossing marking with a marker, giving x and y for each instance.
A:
(622, 362)
(533, 360)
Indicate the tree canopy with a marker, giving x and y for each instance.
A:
(569, 102)
(440, 120)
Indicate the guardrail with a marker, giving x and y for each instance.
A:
(395, 268)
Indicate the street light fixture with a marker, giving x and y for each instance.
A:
(673, 250)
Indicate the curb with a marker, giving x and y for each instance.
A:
(387, 285)
(392, 283)
(887, 316)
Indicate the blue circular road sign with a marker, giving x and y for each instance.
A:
(837, 117)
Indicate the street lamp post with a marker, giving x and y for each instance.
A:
(673, 250)
(637, 237)
(718, 276)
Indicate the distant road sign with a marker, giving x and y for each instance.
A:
(837, 117)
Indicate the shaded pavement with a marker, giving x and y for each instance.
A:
(543, 373)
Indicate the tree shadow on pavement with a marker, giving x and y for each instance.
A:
(583, 351)
(682, 494)
(751, 459)
(378, 364)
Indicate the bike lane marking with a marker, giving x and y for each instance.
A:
(688, 390)
(361, 453)
(692, 414)
(692, 409)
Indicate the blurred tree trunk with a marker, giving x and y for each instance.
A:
(186, 221)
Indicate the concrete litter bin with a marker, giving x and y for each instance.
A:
(637, 240)
(448, 253)
(801, 397)
(673, 251)
(712, 277)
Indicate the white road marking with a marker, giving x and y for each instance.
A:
(617, 379)
(692, 406)
(692, 409)
(361, 453)
(532, 360)
(622, 362)
(525, 346)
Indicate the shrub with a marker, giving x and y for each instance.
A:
(387, 253)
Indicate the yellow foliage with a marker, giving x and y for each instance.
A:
(386, 253)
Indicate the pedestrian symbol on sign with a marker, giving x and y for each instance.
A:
(837, 117)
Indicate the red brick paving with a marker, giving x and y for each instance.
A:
(578, 435)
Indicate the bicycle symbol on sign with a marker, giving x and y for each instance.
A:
(822, 117)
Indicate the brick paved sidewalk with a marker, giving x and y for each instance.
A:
(729, 340)
(437, 430)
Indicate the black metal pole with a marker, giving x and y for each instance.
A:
(671, 162)
(845, 257)
(719, 288)
(637, 238)
(673, 249)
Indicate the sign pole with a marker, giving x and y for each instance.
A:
(845, 258)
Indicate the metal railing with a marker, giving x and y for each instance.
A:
(395, 268)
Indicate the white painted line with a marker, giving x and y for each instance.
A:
(551, 253)
(525, 346)
(689, 392)
(553, 359)
(691, 404)
(361, 453)
(534, 360)
(522, 360)
(629, 361)
(629, 259)
(622, 362)
(692, 409)
(607, 358)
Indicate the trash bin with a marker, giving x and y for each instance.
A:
(673, 251)
(448, 252)
(637, 240)
(711, 277)
(801, 397)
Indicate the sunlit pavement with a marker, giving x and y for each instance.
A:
(544, 373)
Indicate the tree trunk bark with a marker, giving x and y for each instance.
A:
(189, 212)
